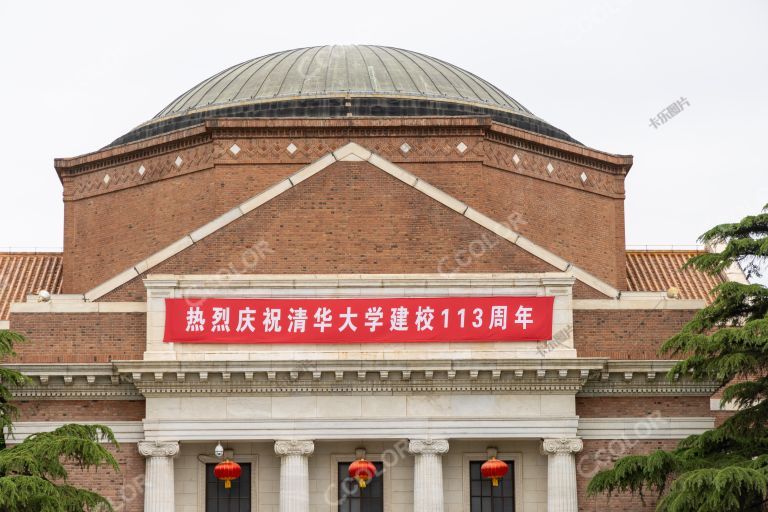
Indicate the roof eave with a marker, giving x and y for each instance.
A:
(621, 163)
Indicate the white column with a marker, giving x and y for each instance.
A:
(428, 474)
(561, 474)
(294, 474)
(158, 477)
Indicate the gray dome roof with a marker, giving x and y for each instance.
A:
(329, 81)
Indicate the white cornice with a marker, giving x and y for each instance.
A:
(643, 378)
(626, 302)
(73, 381)
(78, 307)
(443, 376)
(125, 431)
(200, 283)
(357, 428)
(715, 404)
(733, 272)
(588, 428)
(643, 428)
(355, 152)
(132, 380)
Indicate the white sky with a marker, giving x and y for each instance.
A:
(75, 75)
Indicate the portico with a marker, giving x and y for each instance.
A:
(427, 476)
(416, 405)
(310, 414)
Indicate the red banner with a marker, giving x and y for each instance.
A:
(383, 320)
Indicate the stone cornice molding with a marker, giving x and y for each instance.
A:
(201, 284)
(59, 304)
(126, 432)
(158, 448)
(562, 446)
(380, 428)
(444, 376)
(651, 427)
(294, 447)
(643, 378)
(632, 301)
(628, 428)
(73, 381)
(428, 447)
(213, 129)
(616, 386)
(132, 380)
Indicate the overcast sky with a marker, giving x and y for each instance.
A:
(76, 75)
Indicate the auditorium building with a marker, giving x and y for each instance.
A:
(339, 253)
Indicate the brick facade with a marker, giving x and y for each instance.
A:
(370, 223)
(111, 225)
(642, 406)
(80, 337)
(126, 203)
(81, 410)
(601, 454)
(636, 334)
(107, 233)
(124, 489)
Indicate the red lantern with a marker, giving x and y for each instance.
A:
(494, 469)
(363, 471)
(227, 470)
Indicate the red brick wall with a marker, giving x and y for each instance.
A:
(583, 291)
(339, 221)
(111, 226)
(79, 337)
(640, 406)
(721, 416)
(629, 334)
(106, 234)
(81, 410)
(601, 454)
(124, 489)
(577, 225)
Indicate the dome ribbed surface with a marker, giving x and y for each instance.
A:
(323, 71)
(339, 81)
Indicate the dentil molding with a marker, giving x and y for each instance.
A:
(134, 380)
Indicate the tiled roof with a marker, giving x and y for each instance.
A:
(647, 271)
(22, 273)
(651, 271)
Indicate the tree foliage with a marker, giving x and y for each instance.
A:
(724, 469)
(8, 411)
(33, 474)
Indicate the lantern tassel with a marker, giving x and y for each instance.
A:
(495, 482)
(227, 484)
(361, 483)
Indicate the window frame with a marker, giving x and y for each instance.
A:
(253, 460)
(333, 489)
(515, 457)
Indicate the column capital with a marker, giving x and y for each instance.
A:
(158, 448)
(294, 447)
(562, 445)
(428, 446)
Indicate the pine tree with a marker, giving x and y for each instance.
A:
(33, 476)
(724, 469)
